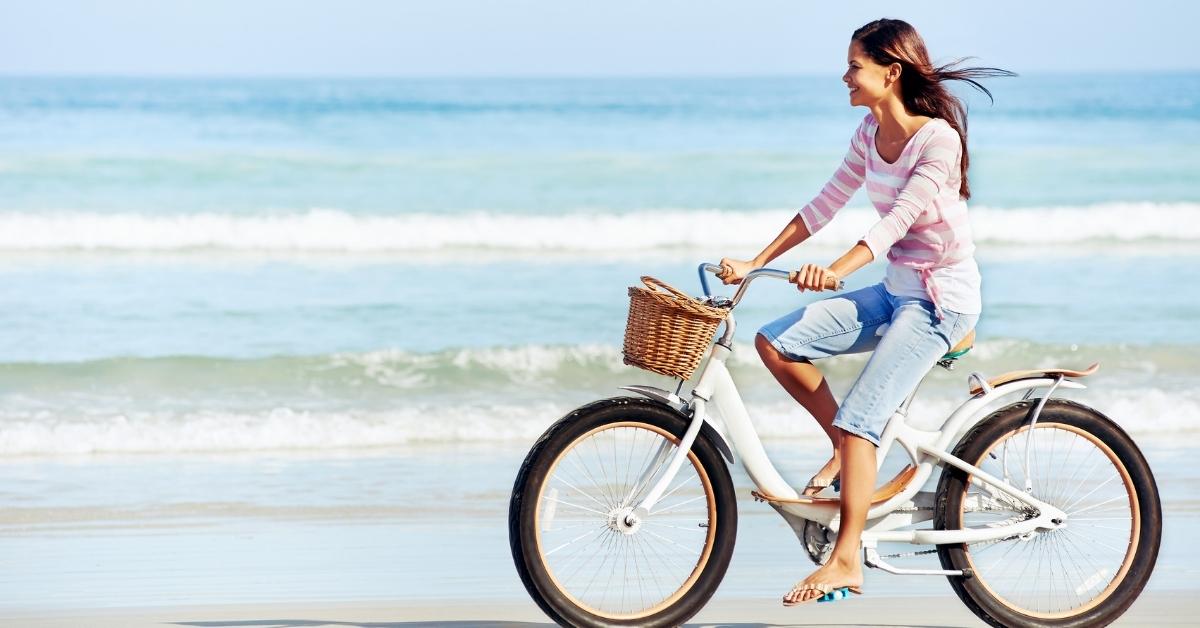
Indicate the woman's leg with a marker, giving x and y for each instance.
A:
(844, 567)
(913, 343)
(845, 323)
(806, 384)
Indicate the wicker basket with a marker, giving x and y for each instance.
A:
(668, 331)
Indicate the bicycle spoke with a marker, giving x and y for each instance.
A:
(682, 483)
(1094, 506)
(1052, 571)
(559, 501)
(581, 492)
(695, 529)
(569, 543)
(674, 507)
(1089, 493)
(614, 568)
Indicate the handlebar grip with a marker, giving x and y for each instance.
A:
(830, 282)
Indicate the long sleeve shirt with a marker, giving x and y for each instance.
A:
(923, 228)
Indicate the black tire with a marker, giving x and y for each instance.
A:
(720, 508)
(1134, 561)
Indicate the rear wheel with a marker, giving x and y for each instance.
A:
(1086, 573)
(580, 558)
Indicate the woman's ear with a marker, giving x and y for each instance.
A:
(893, 72)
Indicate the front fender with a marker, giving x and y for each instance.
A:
(670, 400)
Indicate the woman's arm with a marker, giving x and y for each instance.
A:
(934, 169)
(814, 277)
(846, 180)
(854, 259)
(795, 232)
(792, 234)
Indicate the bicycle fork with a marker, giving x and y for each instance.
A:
(636, 514)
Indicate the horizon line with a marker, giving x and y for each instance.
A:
(521, 76)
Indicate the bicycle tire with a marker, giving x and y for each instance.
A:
(1142, 536)
(550, 595)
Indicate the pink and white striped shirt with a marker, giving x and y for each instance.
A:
(923, 224)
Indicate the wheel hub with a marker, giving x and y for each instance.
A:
(624, 520)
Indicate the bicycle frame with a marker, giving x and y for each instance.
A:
(927, 450)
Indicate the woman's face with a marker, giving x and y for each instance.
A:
(867, 81)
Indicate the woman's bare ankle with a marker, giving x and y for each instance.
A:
(847, 563)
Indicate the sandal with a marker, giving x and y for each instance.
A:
(829, 593)
(823, 483)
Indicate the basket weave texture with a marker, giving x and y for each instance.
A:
(668, 331)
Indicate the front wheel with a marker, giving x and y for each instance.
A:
(1085, 573)
(578, 555)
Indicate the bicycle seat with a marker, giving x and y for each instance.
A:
(963, 346)
(957, 351)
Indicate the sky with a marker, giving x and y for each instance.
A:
(570, 37)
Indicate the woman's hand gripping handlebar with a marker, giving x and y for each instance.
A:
(816, 278)
(830, 281)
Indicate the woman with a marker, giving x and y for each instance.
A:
(911, 153)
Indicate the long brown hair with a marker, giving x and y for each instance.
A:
(896, 41)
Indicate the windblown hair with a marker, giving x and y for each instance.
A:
(889, 41)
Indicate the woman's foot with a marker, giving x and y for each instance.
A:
(827, 476)
(834, 575)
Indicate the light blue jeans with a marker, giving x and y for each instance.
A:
(904, 332)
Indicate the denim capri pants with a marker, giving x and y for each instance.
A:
(905, 333)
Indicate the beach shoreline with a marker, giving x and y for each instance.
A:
(311, 540)
(1152, 609)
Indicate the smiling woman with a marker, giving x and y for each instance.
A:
(910, 152)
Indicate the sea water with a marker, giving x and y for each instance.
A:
(222, 265)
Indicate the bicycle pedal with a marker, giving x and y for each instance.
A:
(835, 595)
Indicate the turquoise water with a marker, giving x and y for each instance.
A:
(227, 265)
(395, 147)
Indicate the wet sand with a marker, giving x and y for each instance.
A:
(303, 540)
(1162, 609)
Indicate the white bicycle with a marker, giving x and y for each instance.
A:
(1045, 511)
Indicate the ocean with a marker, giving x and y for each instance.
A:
(272, 270)
(220, 265)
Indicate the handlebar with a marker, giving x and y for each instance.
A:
(708, 267)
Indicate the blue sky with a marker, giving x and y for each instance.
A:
(570, 37)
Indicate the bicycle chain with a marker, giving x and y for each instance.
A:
(931, 551)
(907, 554)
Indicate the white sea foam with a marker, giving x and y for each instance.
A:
(587, 364)
(321, 230)
(497, 394)
(1146, 413)
(505, 370)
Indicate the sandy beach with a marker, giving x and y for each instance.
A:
(307, 540)
(892, 612)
